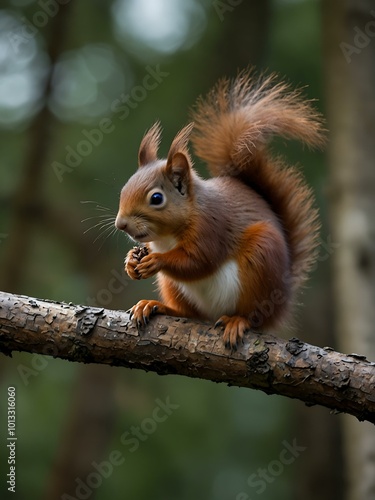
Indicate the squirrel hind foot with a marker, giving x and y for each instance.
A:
(234, 329)
(141, 312)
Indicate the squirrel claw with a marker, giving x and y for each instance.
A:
(143, 310)
(148, 266)
(219, 323)
(234, 329)
(228, 346)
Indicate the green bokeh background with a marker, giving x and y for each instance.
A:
(219, 436)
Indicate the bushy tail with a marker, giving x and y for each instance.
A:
(233, 125)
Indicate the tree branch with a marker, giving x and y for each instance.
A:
(344, 383)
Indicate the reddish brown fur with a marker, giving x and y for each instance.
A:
(232, 127)
(266, 296)
(255, 212)
(148, 150)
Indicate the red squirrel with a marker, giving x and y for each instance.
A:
(235, 248)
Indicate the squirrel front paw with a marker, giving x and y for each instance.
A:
(149, 266)
(131, 262)
(133, 258)
(139, 264)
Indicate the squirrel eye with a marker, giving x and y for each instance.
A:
(156, 199)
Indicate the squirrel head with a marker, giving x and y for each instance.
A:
(156, 201)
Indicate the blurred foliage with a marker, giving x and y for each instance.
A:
(219, 436)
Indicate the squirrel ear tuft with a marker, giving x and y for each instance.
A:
(178, 171)
(148, 150)
(180, 143)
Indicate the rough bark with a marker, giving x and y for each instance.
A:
(291, 368)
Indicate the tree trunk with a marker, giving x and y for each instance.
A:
(180, 346)
(87, 432)
(350, 49)
(28, 199)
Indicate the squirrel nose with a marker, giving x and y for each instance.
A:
(121, 223)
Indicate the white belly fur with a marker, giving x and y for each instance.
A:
(216, 295)
(163, 245)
